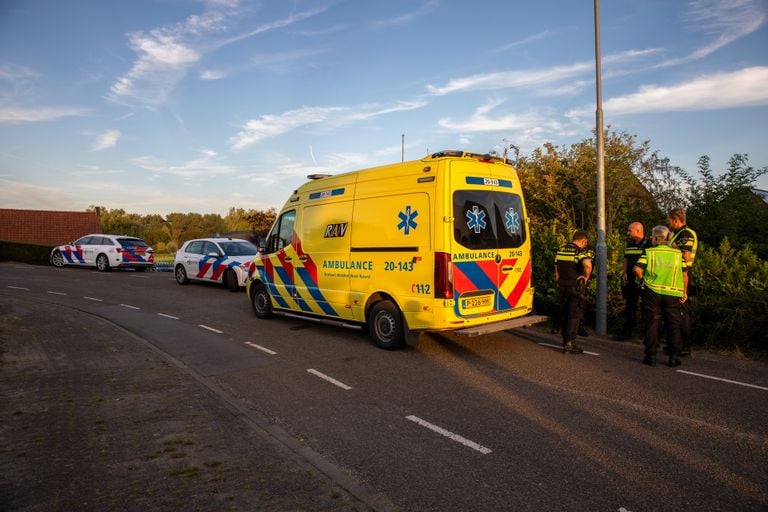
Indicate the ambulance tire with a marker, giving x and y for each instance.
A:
(180, 274)
(261, 302)
(385, 325)
(230, 281)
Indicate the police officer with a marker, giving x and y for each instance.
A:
(687, 242)
(630, 289)
(665, 279)
(573, 268)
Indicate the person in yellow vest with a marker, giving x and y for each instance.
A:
(573, 268)
(664, 273)
(686, 241)
(636, 244)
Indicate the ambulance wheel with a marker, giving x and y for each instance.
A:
(230, 280)
(261, 302)
(102, 263)
(181, 274)
(57, 259)
(385, 325)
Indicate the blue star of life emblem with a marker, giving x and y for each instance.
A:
(512, 220)
(476, 219)
(407, 221)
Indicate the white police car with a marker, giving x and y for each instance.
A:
(222, 260)
(105, 252)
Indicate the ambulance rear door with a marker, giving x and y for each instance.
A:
(491, 264)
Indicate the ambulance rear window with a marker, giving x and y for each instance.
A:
(488, 219)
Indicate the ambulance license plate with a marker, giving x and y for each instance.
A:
(476, 302)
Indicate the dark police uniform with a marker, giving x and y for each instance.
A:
(630, 290)
(687, 241)
(569, 262)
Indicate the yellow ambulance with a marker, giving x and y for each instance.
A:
(435, 244)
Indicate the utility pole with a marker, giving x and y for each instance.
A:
(402, 148)
(602, 248)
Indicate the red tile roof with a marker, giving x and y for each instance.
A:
(46, 227)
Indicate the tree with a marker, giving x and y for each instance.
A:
(724, 205)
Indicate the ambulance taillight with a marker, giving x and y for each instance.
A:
(443, 276)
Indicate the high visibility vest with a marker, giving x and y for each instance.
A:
(663, 268)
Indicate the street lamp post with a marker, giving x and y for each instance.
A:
(602, 250)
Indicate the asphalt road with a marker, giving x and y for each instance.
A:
(497, 422)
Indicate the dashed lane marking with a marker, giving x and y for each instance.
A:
(330, 379)
(129, 306)
(560, 347)
(55, 293)
(259, 347)
(210, 329)
(17, 288)
(722, 380)
(450, 435)
(168, 316)
(93, 299)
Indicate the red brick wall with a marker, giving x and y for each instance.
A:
(46, 227)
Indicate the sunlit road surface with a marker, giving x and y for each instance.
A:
(497, 422)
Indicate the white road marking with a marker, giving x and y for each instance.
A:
(141, 277)
(17, 288)
(55, 293)
(129, 306)
(168, 316)
(330, 379)
(263, 349)
(210, 329)
(560, 347)
(450, 435)
(723, 380)
(93, 299)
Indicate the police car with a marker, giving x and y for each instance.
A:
(105, 252)
(216, 260)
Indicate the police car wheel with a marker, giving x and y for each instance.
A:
(261, 302)
(230, 281)
(57, 259)
(181, 274)
(102, 263)
(386, 325)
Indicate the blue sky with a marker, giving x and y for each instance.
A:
(160, 106)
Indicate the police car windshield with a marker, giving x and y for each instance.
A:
(239, 248)
(488, 219)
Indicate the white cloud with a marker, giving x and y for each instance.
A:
(106, 140)
(22, 195)
(12, 114)
(268, 125)
(408, 17)
(525, 41)
(166, 54)
(531, 77)
(742, 88)
(204, 166)
(729, 20)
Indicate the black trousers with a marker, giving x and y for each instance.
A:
(685, 326)
(631, 295)
(571, 311)
(656, 308)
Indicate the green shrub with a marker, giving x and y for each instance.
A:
(729, 304)
(25, 253)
